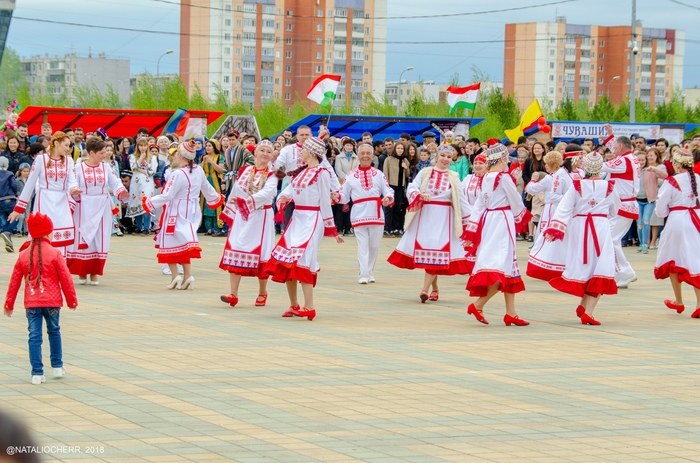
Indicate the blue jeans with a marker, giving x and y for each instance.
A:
(643, 227)
(34, 318)
(143, 222)
(6, 208)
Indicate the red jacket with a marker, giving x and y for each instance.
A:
(55, 277)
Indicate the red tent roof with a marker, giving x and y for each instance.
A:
(117, 122)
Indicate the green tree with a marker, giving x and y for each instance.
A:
(566, 111)
(603, 110)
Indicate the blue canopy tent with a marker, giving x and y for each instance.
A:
(381, 126)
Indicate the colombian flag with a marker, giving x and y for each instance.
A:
(528, 122)
(177, 123)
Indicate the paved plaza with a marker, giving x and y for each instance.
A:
(172, 376)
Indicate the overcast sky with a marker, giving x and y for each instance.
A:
(431, 62)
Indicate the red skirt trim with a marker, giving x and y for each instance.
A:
(479, 283)
(596, 286)
(281, 272)
(684, 275)
(86, 267)
(540, 273)
(258, 272)
(401, 260)
(182, 257)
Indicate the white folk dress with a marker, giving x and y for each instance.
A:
(250, 217)
(546, 260)
(177, 241)
(491, 229)
(431, 241)
(366, 187)
(93, 218)
(583, 221)
(471, 186)
(295, 256)
(52, 181)
(141, 184)
(680, 240)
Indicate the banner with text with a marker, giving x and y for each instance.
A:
(587, 130)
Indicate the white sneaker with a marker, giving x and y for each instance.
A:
(622, 284)
(166, 270)
(59, 372)
(38, 379)
(372, 280)
(363, 281)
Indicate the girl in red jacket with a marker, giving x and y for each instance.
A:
(46, 274)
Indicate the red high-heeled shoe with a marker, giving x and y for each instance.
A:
(580, 310)
(434, 295)
(231, 300)
(588, 320)
(290, 312)
(677, 307)
(517, 321)
(308, 313)
(478, 314)
(258, 302)
(696, 314)
(423, 296)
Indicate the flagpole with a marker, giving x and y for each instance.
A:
(328, 120)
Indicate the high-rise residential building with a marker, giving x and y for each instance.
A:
(554, 61)
(57, 75)
(257, 50)
(6, 9)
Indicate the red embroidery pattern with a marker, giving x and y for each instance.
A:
(439, 181)
(366, 177)
(307, 177)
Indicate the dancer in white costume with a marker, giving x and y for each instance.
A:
(295, 256)
(93, 213)
(582, 220)
(677, 256)
(250, 217)
(491, 230)
(368, 190)
(434, 224)
(52, 180)
(624, 169)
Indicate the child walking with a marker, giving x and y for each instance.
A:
(45, 274)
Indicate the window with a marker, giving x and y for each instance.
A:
(330, 28)
(328, 69)
(570, 52)
(238, 64)
(268, 9)
(551, 90)
(266, 93)
(288, 82)
(366, 57)
(329, 55)
(268, 51)
(227, 50)
(367, 30)
(266, 79)
(288, 54)
(277, 54)
(356, 55)
(238, 23)
(319, 13)
(551, 52)
(227, 7)
(227, 36)
(560, 78)
(269, 23)
(561, 65)
(660, 69)
(287, 69)
(290, 13)
(226, 79)
(289, 26)
(584, 78)
(227, 64)
(227, 22)
(249, 8)
(341, 13)
(289, 40)
(551, 65)
(600, 81)
(250, 22)
(319, 27)
(340, 54)
(319, 55)
(339, 68)
(330, 42)
(248, 51)
(319, 41)
(287, 97)
(248, 64)
(646, 67)
(238, 79)
(593, 42)
(553, 40)
(601, 56)
(248, 93)
(268, 37)
(318, 69)
(585, 41)
(601, 68)
(366, 71)
(602, 43)
(248, 78)
(551, 78)
(249, 36)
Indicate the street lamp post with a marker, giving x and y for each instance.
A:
(611, 81)
(167, 52)
(410, 68)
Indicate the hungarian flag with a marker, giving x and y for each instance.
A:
(323, 89)
(462, 97)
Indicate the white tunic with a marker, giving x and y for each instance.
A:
(177, 239)
(583, 220)
(430, 241)
(546, 259)
(471, 186)
(680, 240)
(295, 256)
(93, 218)
(366, 188)
(52, 181)
(625, 170)
(250, 240)
(492, 230)
(290, 159)
(141, 184)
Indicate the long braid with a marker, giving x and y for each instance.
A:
(40, 280)
(694, 186)
(31, 263)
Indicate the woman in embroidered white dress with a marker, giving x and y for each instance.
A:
(177, 241)
(434, 224)
(677, 257)
(491, 230)
(250, 217)
(52, 178)
(471, 186)
(93, 213)
(144, 165)
(295, 256)
(583, 221)
(546, 260)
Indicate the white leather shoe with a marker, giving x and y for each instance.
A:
(372, 280)
(38, 379)
(626, 283)
(187, 284)
(82, 281)
(59, 372)
(94, 282)
(363, 281)
(177, 281)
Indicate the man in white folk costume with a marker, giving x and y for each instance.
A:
(369, 191)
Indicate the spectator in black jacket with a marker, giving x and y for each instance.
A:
(13, 153)
(8, 198)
